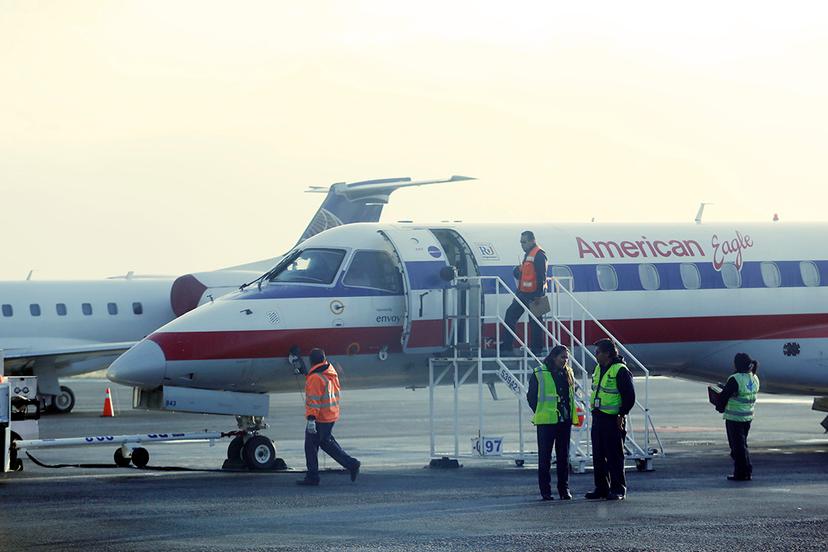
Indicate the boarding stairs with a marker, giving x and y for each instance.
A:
(474, 325)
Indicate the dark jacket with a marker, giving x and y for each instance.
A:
(540, 270)
(731, 389)
(562, 385)
(624, 380)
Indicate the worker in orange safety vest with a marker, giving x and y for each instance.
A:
(531, 275)
(321, 412)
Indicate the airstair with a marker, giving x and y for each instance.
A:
(474, 328)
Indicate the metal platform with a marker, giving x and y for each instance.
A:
(473, 338)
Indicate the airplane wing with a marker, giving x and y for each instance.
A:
(19, 358)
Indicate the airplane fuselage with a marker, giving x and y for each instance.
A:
(683, 298)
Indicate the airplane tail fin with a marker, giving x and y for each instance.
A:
(345, 203)
(349, 202)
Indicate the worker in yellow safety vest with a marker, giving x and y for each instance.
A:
(531, 289)
(736, 402)
(321, 412)
(551, 397)
(613, 396)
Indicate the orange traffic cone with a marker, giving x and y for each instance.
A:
(108, 411)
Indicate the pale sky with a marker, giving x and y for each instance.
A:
(172, 137)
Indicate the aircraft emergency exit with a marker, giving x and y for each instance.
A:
(57, 329)
(683, 297)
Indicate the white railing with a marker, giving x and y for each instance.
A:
(574, 329)
(566, 327)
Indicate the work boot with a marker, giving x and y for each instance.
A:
(616, 496)
(547, 497)
(355, 470)
(308, 482)
(565, 494)
(596, 495)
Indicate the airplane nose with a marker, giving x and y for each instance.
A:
(142, 366)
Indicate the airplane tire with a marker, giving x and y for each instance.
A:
(259, 453)
(63, 402)
(140, 457)
(120, 460)
(15, 463)
(235, 449)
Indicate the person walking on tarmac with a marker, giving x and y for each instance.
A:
(531, 275)
(613, 396)
(736, 402)
(321, 412)
(551, 396)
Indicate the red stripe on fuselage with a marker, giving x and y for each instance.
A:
(275, 343)
(340, 341)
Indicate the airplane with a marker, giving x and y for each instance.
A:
(684, 298)
(58, 329)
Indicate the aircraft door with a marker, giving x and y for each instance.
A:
(468, 302)
(421, 259)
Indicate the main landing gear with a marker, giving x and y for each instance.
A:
(62, 403)
(248, 449)
(138, 456)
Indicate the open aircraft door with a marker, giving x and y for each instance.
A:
(421, 258)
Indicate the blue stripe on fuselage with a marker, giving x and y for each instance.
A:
(426, 275)
(586, 275)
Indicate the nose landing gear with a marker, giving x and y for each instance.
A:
(250, 450)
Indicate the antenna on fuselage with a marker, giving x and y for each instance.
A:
(701, 212)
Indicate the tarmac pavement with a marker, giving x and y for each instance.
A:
(399, 504)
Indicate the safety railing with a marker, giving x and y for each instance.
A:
(485, 296)
(571, 325)
(479, 314)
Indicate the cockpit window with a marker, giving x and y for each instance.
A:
(311, 266)
(373, 269)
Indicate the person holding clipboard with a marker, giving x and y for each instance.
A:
(736, 402)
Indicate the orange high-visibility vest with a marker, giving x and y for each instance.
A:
(528, 275)
(322, 394)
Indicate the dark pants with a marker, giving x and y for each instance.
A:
(513, 313)
(737, 433)
(324, 440)
(557, 436)
(608, 454)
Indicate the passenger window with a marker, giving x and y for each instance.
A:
(690, 277)
(373, 269)
(564, 275)
(86, 308)
(770, 275)
(61, 309)
(312, 266)
(137, 308)
(731, 276)
(112, 308)
(810, 273)
(607, 277)
(34, 308)
(8, 310)
(648, 274)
